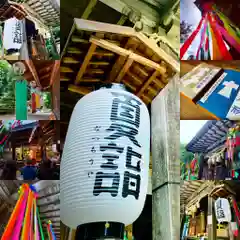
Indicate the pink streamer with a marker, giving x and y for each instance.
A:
(18, 226)
(229, 38)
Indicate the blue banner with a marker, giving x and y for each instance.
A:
(219, 98)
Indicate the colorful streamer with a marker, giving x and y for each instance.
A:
(217, 30)
(25, 223)
(189, 41)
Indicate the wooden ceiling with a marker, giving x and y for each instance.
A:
(43, 72)
(99, 53)
(9, 10)
(45, 10)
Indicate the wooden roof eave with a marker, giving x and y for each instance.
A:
(161, 53)
(32, 69)
(91, 26)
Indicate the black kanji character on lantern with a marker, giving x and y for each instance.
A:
(219, 210)
(123, 131)
(97, 128)
(113, 189)
(93, 150)
(131, 185)
(95, 138)
(91, 161)
(89, 174)
(17, 33)
(127, 110)
(113, 154)
(130, 155)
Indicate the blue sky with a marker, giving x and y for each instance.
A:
(189, 128)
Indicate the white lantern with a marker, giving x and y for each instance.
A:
(223, 210)
(105, 161)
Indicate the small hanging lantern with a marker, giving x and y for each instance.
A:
(105, 162)
(223, 210)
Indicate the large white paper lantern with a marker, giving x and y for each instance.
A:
(105, 162)
(223, 210)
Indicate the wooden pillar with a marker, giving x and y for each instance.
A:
(165, 115)
(56, 97)
(211, 220)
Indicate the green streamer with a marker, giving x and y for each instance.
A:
(21, 100)
(40, 224)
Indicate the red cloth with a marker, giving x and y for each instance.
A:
(224, 51)
(189, 41)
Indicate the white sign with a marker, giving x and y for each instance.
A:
(13, 34)
(105, 162)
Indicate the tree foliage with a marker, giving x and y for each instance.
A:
(7, 88)
(185, 30)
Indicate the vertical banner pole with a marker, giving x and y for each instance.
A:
(21, 99)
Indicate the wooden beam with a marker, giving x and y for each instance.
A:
(147, 83)
(127, 83)
(131, 43)
(95, 71)
(77, 39)
(70, 60)
(89, 9)
(32, 69)
(66, 70)
(74, 50)
(85, 62)
(123, 52)
(103, 54)
(211, 220)
(99, 63)
(55, 75)
(93, 26)
(125, 68)
(109, 46)
(160, 52)
(146, 62)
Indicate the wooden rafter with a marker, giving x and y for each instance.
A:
(34, 72)
(121, 60)
(123, 52)
(55, 75)
(85, 63)
(125, 68)
(147, 83)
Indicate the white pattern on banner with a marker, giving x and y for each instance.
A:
(234, 111)
(206, 80)
(196, 78)
(212, 89)
(13, 34)
(228, 87)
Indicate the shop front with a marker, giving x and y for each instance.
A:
(210, 210)
(215, 152)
